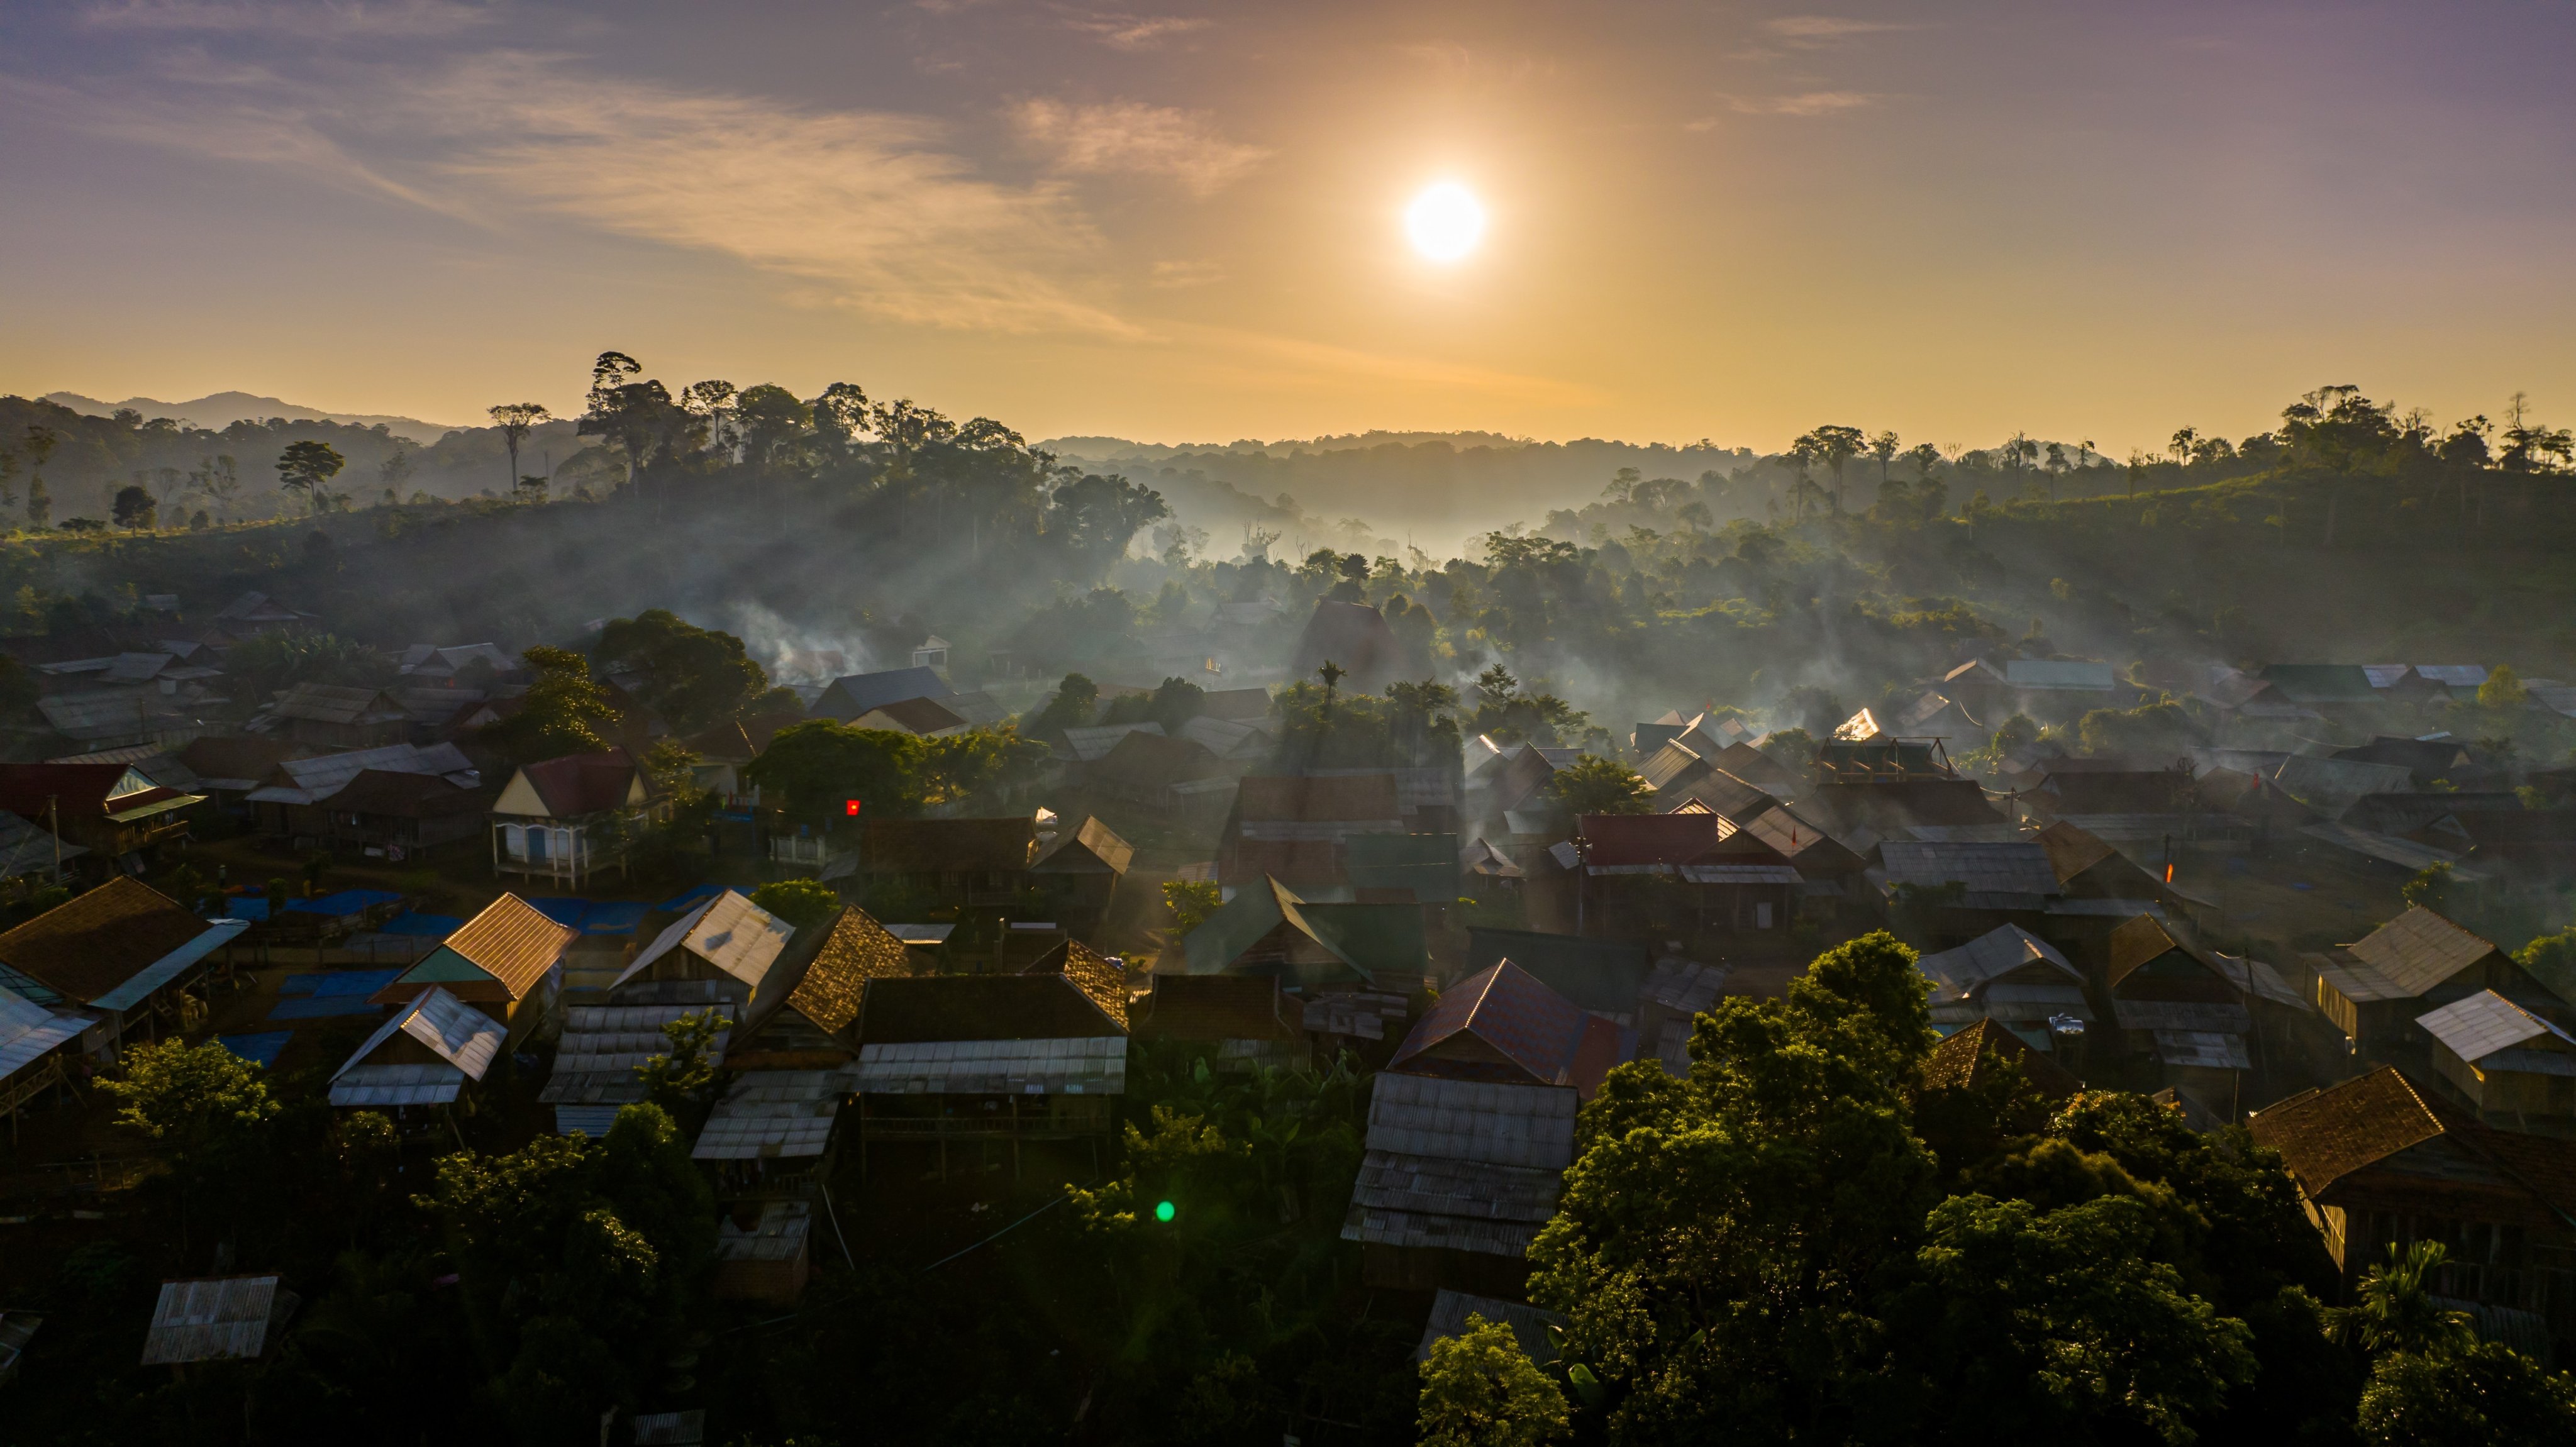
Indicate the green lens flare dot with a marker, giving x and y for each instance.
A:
(1163, 1211)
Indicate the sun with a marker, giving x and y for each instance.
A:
(1445, 222)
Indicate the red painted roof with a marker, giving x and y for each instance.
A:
(1621, 839)
(578, 784)
(1545, 1036)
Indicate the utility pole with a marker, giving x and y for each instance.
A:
(54, 826)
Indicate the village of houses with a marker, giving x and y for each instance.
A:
(460, 945)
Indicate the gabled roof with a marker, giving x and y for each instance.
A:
(2485, 1023)
(328, 703)
(86, 949)
(1215, 1007)
(1088, 847)
(2335, 785)
(1792, 836)
(1528, 1034)
(1144, 758)
(216, 1318)
(1990, 956)
(77, 791)
(1426, 864)
(1961, 1062)
(2325, 1135)
(1983, 868)
(2071, 850)
(2137, 943)
(1645, 841)
(2419, 949)
(860, 693)
(920, 846)
(728, 932)
(312, 780)
(1227, 738)
(923, 717)
(1369, 938)
(1595, 974)
(28, 1030)
(1102, 980)
(442, 1024)
(581, 784)
(929, 1009)
(1239, 705)
(382, 791)
(1091, 743)
(832, 979)
(500, 954)
(1353, 635)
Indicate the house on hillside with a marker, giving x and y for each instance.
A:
(288, 800)
(1694, 869)
(112, 810)
(330, 717)
(2381, 1160)
(2172, 1002)
(2508, 1063)
(1239, 1021)
(1295, 828)
(125, 953)
(1503, 1025)
(2374, 990)
(1269, 929)
(1034, 1056)
(942, 863)
(36, 1046)
(426, 1058)
(505, 962)
(926, 718)
(1170, 776)
(567, 819)
(399, 817)
(818, 987)
(849, 699)
(2013, 979)
(1457, 1178)
(1968, 1058)
(218, 1318)
(1077, 873)
(253, 614)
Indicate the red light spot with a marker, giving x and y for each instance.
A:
(850, 807)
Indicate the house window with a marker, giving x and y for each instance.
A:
(537, 844)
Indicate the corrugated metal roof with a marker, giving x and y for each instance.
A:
(310, 781)
(1510, 1011)
(28, 1030)
(2333, 786)
(2181, 1015)
(1508, 1125)
(1739, 874)
(603, 1044)
(773, 1114)
(1686, 986)
(1092, 1066)
(2452, 675)
(728, 932)
(1418, 1201)
(1092, 744)
(1529, 1324)
(594, 1121)
(465, 1040)
(2486, 1022)
(2391, 849)
(1990, 955)
(2419, 949)
(167, 968)
(382, 1085)
(215, 1318)
(1984, 868)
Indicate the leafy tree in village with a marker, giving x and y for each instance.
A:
(681, 1078)
(208, 1107)
(305, 469)
(820, 764)
(1479, 1389)
(2433, 1381)
(800, 901)
(565, 710)
(693, 676)
(133, 508)
(1191, 902)
(1595, 785)
(1069, 707)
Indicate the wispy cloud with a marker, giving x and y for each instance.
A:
(402, 19)
(1134, 32)
(864, 209)
(1805, 103)
(1124, 136)
(1177, 274)
(1809, 31)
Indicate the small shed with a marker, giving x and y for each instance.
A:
(1243, 1021)
(985, 1058)
(764, 1251)
(2374, 989)
(2011, 978)
(217, 1318)
(124, 952)
(332, 717)
(1968, 1058)
(432, 1052)
(1501, 1024)
(2505, 1060)
(1268, 929)
(727, 943)
(809, 1019)
(1079, 871)
(2170, 1000)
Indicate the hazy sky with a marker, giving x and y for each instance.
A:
(1183, 222)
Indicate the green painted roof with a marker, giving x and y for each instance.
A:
(1237, 926)
(1372, 939)
(443, 966)
(2321, 682)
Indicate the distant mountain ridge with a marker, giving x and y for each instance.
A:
(219, 410)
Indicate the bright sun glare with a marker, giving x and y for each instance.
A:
(1445, 222)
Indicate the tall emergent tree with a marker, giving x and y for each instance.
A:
(307, 468)
(515, 421)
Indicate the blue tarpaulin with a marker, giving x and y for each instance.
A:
(614, 917)
(324, 1009)
(259, 1049)
(565, 912)
(423, 926)
(294, 985)
(246, 906)
(346, 902)
(353, 982)
(690, 899)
